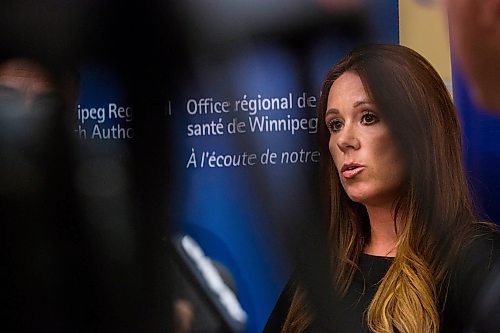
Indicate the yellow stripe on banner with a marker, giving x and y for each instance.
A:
(424, 28)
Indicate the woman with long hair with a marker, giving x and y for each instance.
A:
(407, 251)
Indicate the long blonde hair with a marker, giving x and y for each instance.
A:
(434, 206)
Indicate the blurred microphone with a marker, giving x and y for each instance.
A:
(205, 292)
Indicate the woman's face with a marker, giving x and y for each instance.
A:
(368, 161)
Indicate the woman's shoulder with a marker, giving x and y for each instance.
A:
(476, 258)
(476, 271)
(469, 273)
(478, 254)
(482, 247)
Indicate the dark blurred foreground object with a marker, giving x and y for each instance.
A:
(72, 247)
(39, 215)
(82, 223)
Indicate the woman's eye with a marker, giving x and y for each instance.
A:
(369, 118)
(335, 125)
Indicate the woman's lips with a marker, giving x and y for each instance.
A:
(351, 171)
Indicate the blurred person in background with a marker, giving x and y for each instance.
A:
(41, 247)
(408, 252)
(475, 39)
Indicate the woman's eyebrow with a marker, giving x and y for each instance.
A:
(332, 110)
(355, 105)
(362, 102)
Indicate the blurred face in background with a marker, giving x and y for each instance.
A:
(475, 40)
(24, 80)
(368, 161)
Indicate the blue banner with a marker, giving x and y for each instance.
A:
(243, 123)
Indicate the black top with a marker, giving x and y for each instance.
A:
(464, 293)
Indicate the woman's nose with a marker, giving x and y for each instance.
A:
(348, 139)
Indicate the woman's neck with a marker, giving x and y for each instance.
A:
(383, 237)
